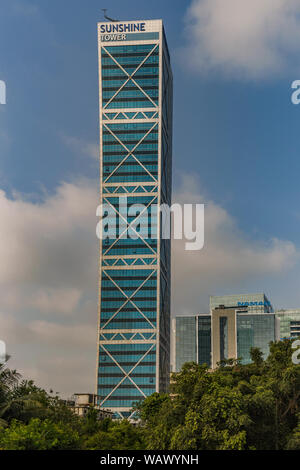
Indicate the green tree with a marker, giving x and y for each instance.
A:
(294, 439)
(253, 406)
(121, 435)
(38, 435)
(235, 407)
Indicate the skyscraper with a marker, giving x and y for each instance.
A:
(135, 80)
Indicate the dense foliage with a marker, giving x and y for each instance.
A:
(32, 419)
(237, 407)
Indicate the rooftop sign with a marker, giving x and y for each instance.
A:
(123, 27)
(266, 303)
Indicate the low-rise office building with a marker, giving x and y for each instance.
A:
(236, 331)
(257, 303)
(235, 324)
(287, 324)
(191, 340)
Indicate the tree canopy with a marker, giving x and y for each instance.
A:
(235, 407)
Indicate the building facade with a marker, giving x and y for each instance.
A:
(185, 341)
(83, 402)
(204, 339)
(240, 322)
(287, 324)
(236, 331)
(191, 340)
(236, 323)
(257, 303)
(135, 81)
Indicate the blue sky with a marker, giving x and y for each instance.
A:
(240, 137)
(236, 149)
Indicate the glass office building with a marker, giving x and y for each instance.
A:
(253, 325)
(185, 331)
(257, 303)
(235, 332)
(236, 323)
(287, 324)
(135, 80)
(204, 339)
(254, 330)
(192, 340)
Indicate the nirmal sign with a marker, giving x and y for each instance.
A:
(266, 303)
(3, 356)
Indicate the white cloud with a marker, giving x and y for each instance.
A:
(87, 149)
(249, 39)
(229, 260)
(56, 300)
(52, 242)
(56, 356)
(43, 300)
(49, 277)
(48, 284)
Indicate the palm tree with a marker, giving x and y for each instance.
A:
(18, 400)
(8, 379)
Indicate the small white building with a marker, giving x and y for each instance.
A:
(85, 401)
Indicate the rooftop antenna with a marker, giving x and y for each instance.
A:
(107, 17)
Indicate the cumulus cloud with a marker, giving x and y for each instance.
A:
(60, 301)
(86, 149)
(55, 355)
(48, 283)
(46, 243)
(228, 261)
(56, 300)
(254, 39)
(49, 277)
